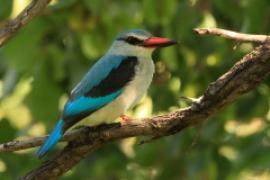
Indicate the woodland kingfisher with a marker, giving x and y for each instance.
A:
(114, 84)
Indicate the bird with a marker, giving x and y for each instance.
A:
(113, 85)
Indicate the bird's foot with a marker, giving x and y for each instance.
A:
(125, 120)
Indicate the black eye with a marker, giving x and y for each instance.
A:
(133, 40)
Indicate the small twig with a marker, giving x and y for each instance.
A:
(13, 26)
(20, 145)
(240, 37)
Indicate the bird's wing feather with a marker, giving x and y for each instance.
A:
(96, 74)
(101, 85)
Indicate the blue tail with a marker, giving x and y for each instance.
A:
(53, 138)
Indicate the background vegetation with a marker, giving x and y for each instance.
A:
(40, 66)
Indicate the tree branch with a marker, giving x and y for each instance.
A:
(241, 78)
(240, 37)
(13, 26)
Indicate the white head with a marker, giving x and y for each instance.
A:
(138, 43)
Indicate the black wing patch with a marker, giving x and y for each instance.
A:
(117, 78)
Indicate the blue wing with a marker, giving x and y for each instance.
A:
(96, 74)
(84, 103)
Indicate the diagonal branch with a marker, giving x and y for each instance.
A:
(13, 26)
(241, 78)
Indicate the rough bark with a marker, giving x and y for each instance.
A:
(14, 25)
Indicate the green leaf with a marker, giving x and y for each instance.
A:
(5, 8)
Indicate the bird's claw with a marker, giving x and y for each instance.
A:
(125, 120)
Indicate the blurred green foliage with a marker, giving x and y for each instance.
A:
(48, 57)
